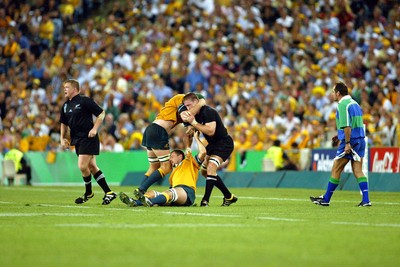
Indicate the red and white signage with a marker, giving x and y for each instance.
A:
(384, 159)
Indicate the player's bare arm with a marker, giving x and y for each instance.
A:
(208, 128)
(187, 140)
(97, 123)
(202, 149)
(347, 133)
(64, 139)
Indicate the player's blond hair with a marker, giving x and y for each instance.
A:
(74, 83)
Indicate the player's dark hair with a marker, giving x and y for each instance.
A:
(179, 153)
(190, 96)
(341, 88)
(74, 83)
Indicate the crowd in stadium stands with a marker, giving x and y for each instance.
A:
(267, 66)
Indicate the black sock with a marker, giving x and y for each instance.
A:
(88, 184)
(101, 180)
(211, 180)
(222, 187)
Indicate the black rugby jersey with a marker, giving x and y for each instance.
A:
(78, 113)
(208, 114)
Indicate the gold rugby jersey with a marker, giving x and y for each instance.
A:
(169, 112)
(186, 173)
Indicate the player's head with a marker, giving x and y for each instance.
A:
(190, 99)
(340, 89)
(71, 88)
(176, 157)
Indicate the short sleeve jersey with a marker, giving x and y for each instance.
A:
(169, 111)
(349, 114)
(208, 114)
(172, 108)
(186, 173)
(78, 113)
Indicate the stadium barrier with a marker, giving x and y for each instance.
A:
(127, 168)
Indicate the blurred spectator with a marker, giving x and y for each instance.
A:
(110, 144)
(275, 153)
(288, 164)
(38, 91)
(46, 32)
(196, 76)
(389, 132)
(161, 91)
(20, 162)
(241, 147)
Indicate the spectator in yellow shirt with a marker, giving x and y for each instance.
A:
(46, 32)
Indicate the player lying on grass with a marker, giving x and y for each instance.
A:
(182, 181)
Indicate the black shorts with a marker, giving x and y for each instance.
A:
(87, 146)
(155, 137)
(222, 148)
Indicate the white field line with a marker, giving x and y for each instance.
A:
(81, 207)
(369, 224)
(202, 214)
(241, 197)
(153, 225)
(280, 219)
(98, 191)
(173, 213)
(31, 214)
(46, 189)
(63, 206)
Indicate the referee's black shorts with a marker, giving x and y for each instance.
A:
(155, 137)
(87, 146)
(222, 148)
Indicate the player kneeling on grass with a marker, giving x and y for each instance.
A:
(182, 181)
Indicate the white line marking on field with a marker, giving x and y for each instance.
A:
(47, 189)
(369, 224)
(63, 206)
(152, 225)
(388, 203)
(129, 209)
(273, 198)
(97, 191)
(88, 207)
(201, 214)
(48, 214)
(280, 219)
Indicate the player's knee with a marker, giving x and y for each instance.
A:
(213, 165)
(83, 167)
(154, 164)
(174, 194)
(166, 168)
(93, 168)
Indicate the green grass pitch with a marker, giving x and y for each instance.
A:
(41, 226)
